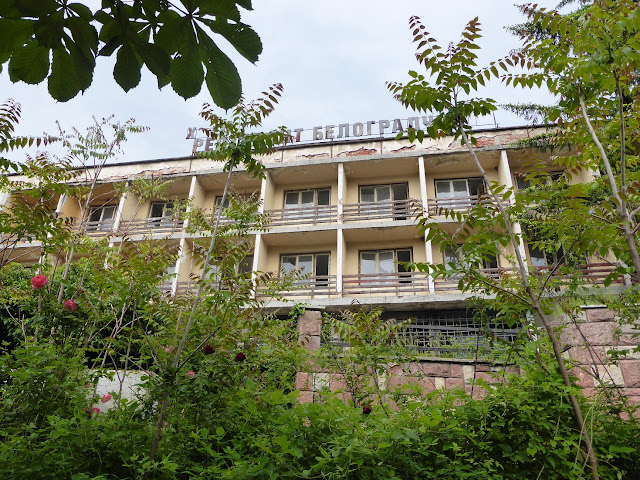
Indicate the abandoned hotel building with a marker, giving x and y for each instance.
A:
(344, 211)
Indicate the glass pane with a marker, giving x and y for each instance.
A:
(460, 188)
(168, 209)
(219, 201)
(383, 194)
(289, 263)
(443, 189)
(491, 262)
(305, 264)
(522, 183)
(307, 199)
(385, 262)
(400, 192)
(450, 256)
(368, 263)
(291, 200)
(108, 213)
(95, 215)
(324, 197)
(403, 256)
(476, 186)
(322, 264)
(367, 195)
(157, 210)
(538, 258)
(246, 264)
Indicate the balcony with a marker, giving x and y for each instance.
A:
(591, 272)
(389, 210)
(319, 285)
(93, 228)
(153, 225)
(303, 215)
(386, 283)
(438, 205)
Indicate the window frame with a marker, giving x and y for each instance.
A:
(315, 191)
(101, 226)
(315, 279)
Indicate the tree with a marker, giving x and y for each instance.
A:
(456, 77)
(61, 42)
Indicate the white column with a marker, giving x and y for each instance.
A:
(4, 198)
(504, 174)
(425, 214)
(192, 193)
(257, 251)
(116, 220)
(61, 202)
(181, 257)
(340, 261)
(265, 191)
(341, 192)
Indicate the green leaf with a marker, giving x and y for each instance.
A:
(187, 74)
(223, 80)
(70, 73)
(82, 10)
(14, 33)
(85, 36)
(156, 59)
(241, 36)
(127, 69)
(29, 64)
(49, 30)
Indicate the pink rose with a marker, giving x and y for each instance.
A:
(94, 410)
(168, 349)
(39, 281)
(70, 305)
(190, 373)
(106, 398)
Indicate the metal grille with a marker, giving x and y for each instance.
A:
(454, 333)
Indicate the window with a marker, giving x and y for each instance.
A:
(541, 259)
(452, 256)
(307, 204)
(169, 277)
(314, 264)
(101, 218)
(163, 211)
(522, 182)
(216, 269)
(394, 194)
(385, 263)
(458, 192)
(307, 198)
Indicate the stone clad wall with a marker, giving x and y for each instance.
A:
(592, 343)
(588, 344)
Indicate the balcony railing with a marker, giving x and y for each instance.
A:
(303, 215)
(591, 272)
(437, 205)
(393, 210)
(159, 225)
(386, 283)
(319, 285)
(95, 228)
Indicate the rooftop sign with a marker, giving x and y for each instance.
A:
(342, 131)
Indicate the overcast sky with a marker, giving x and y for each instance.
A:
(333, 58)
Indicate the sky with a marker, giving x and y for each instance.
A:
(333, 58)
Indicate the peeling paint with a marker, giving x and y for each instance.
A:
(359, 152)
(314, 155)
(404, 149)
